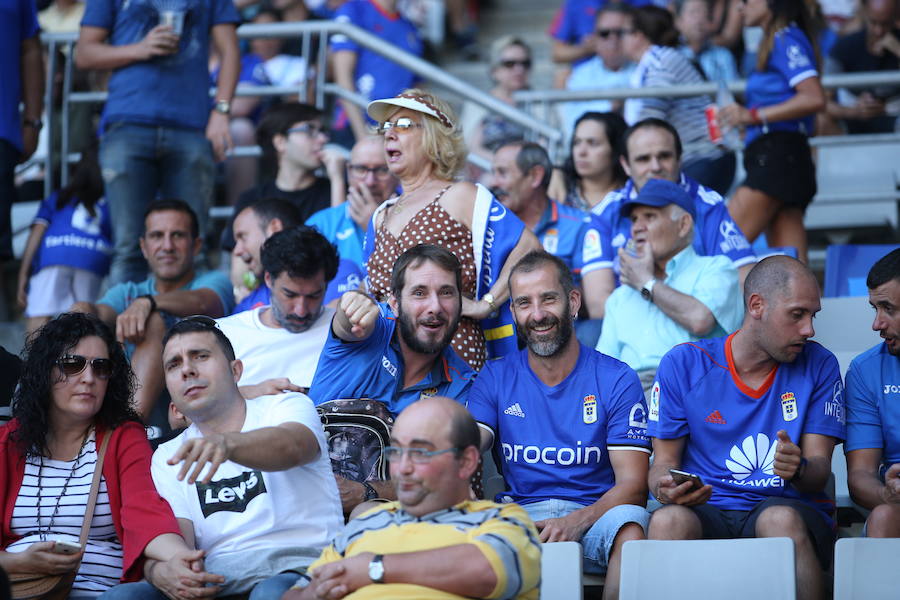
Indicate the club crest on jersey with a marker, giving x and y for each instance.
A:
(589, 409)
(788, 406)
(551, 240)
(428, 393)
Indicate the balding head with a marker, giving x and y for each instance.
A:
(461, 429)
(770, 278)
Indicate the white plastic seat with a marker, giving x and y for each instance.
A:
(561, 571)
(864, 569)
(741, 569)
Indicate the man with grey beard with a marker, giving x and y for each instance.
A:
(569, 422)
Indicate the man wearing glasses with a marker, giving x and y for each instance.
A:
(434, 538)
(249, 481)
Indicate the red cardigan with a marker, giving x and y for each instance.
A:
(139, 513)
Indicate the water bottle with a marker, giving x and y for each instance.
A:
(729, 137)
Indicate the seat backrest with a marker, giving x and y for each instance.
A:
(847, 266)
(864, 569)
(742, 569)
(561, 571)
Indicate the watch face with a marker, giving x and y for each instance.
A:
(376, 570)
(645, 293)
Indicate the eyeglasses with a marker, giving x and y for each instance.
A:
(362, 170)
(74, 364)
(419, 456)
(619, 33)
(311, 129)
(401, 124)
(509, 64)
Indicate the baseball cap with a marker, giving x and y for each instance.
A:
(659, 193)
(379, 110)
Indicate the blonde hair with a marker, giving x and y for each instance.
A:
(443, 145)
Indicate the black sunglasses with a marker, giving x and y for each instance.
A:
(605, 33)
(74, 364)
(509, 64)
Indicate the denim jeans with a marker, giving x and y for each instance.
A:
(141, 163)
(142, 590)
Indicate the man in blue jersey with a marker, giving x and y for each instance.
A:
(652, 150)
(398, 352)
(521, 177)
(756, 416)
(567, 424)
(873, 418)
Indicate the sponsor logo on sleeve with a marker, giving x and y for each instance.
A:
(796, 58)
(230, 495)
(654, 402)
(732, 238)
(835, 406)
(591, 249)
(788, 406)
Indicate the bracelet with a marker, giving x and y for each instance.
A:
(152, 301)
(801, 470)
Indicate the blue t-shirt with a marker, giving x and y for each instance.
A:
(120, 296)
(873, 403)
(714, 231)
(373, 368)
(261, 296)
(576, 19)
(573, 236)
(74, 238)
(554, 442)
(791, 61)
(376, 76)
(18, 22)
(338, 228)
(732, 427)
(168, 90)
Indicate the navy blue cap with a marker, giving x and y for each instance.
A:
(659, 193)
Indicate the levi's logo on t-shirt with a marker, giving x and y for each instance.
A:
(232, 495)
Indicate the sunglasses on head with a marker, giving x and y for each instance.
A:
(74, 364)
(401, 124)
(509, 64)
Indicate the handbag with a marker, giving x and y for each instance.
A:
(357, 430)
(35, 586)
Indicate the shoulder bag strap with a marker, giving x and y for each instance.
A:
(95, 489)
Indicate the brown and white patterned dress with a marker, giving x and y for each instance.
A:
(432, 225)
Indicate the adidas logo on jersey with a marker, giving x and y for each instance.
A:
(515, 411)
(715, 417)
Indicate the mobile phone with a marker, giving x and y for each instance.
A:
(64, 547)
(681, 476)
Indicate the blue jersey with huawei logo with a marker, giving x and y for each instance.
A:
(714, 230)
(791, 61)
(573, 236)
(553, 442)
(732, 428)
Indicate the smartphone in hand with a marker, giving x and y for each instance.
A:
(64, 547)
(681, 476)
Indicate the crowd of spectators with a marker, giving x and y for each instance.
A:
(586, 314)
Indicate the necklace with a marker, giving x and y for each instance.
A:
(59, 498)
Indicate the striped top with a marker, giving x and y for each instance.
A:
(662, 67)
(503, 533)
(101, 567)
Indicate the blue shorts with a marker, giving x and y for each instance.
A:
(597, 542)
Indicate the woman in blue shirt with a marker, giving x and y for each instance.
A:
(783, 95)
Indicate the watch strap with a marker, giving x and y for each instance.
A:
(371, 492)
(152, 301)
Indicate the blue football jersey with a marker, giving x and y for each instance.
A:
(731, 428)
(715, 232)
(573, 236)
(791, 61)
(873, 403)
(554, 442)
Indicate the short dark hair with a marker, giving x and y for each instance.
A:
(532, 155)
(178, 206)
(885, 269)
(657, 25)
(463, 430)
(614, 127)
(300, 252)
(201, 324)
(34, 395)
(271, 208)
(773, 275)
(537, 259)
(278, 119)
(418, 254)
(648, 123)
(615, 7)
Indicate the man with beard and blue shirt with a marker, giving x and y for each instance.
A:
(398, 352)
(873, 412)
(756, 416)
(568, 424)
(652, 150)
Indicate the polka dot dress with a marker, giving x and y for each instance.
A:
(432, 225)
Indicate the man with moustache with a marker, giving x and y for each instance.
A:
(568, 423)
(279, 343)
(398, 352)
(756, 416)
(873, 417)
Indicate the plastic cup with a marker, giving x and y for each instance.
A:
(174, 19)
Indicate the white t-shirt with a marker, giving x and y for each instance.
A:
(244, 509)
(268, 352)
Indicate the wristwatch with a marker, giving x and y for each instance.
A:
(371, 493)
(489, 298)
(223, 106)
(647, 290)
(376, 569)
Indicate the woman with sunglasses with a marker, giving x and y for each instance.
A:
(783, 96)
(424, 150)
(652, 42)
(76, 390)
